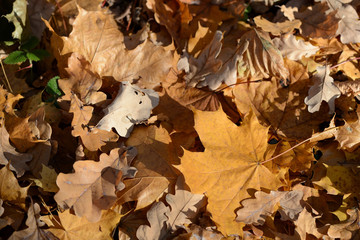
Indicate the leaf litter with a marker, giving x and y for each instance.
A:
(181, 120)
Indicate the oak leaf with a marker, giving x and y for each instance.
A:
(277, 28)
(165, 220)
(93, 186)
(348, 135)
(229, 166)
(256, 210)
(95, 36)
(132, 105)
(155, 173)
(323, 89)
(8, 155)
(344, 229)
(71, 227)
(294, 49)
(261, 58)
(91, 137)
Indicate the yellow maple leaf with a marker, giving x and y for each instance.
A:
(229, 166)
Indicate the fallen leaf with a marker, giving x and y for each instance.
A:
(3, 221)
(165, 220)
(256, 210)
(305, 224)
(93, 186)
(349, 65)
(8, 101)
(132, 105)
(225, 176)
(33, 223)
(344, 230)
(294, 49)
(10, 189)
(92, 138)
(73, 227)
(48, 179)
(155, 173)
(38, 10)
(8, 155)
(261, 58)
(197, 232)
(323, 89)
(277, 28)
(96, 36)
(316, 24)
(347, 135)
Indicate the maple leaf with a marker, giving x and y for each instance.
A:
(316, 24)
(155, 173)
(93, 186)
(33, 232)
(69, 226)
(131, 105)
(48, 179)
(323, 89)
(165, 220)
(96, 36)
(17, 161)
(229, 166)
(347, 135)
(256, 210)
(261, 58)
(294, 49)
(277, 28)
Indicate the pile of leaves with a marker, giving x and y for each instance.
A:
(180, 119)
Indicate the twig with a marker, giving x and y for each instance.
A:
(6, 78)
(349, 60)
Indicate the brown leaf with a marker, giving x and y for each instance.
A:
(92, 138)
(81, 81)
(348, 135)
(96, 36)
(256, 210)
(33, 223)
(277, 28)
(8, 101)
(155, 173)
(10, 189)
(344, 230)
(8, 155)
(316, 24)
(93, 186)
(261, 58)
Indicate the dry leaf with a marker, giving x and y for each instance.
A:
(256, 210)
(305, 224)
(344, 230)
(261, 58)
(48, 179)
(294, 49)
(277, 28)
(17, 161)
(348, 135)
(132, 105)
(229, 165)
(73, 227)
(323, 89)
(155, 173)
(93, 186)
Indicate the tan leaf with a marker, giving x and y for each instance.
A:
(228, 166)
(261, 58)
(93, 186)
(132, 105)
(33, 223)
(92, 138)
(256, 210)
(81, 81)
(48, 180)
(277, 28)
(155, 173)
(323, 89)
(344, 230)
(73, 227)
(349, 65)
(305, 224)
(349, 87)
(294, 49)
(17, 161)
(96, 36)
(197, 232)
(8, 101)
(10, 189)
(289, 11)
(316, 24)
(164, 220)
(348, 135)
(349, 24)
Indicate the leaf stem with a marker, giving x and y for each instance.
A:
(6, 78)
(351, 59)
